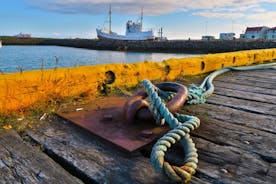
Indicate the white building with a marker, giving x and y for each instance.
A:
(271, 34)
(227, 36)
(207, 38)
(21, 35)
(255, 33)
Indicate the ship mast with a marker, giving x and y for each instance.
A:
(141, 18)
(110, 19)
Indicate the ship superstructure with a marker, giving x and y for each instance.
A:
(133, 31)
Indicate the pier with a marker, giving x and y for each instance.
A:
(236, 143)
(184, 46)
(182, 93)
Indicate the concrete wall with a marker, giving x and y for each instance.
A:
(192, 46)
(197, 46)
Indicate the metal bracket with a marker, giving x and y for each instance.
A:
(105, 118)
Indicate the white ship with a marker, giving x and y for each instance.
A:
(133, 31)
(0, 43)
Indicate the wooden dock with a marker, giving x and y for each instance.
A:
(236, 143)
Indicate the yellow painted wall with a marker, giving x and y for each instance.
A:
(20, 90)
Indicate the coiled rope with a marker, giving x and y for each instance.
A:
(181, 124)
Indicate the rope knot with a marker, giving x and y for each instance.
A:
(181, 126)
(195, 95)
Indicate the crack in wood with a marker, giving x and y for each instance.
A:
(21, 163)
(244, 98)
(238, 108)
(240, 87)
(69, 167)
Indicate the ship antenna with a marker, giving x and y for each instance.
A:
(141, 18)
(110, 19)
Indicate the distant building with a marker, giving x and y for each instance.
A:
(21, 35)
(207, 38)
(271, 34)
(256, 33)
(227, 36)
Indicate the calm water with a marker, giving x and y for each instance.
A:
(37, 57)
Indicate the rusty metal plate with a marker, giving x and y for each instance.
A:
(105, 118)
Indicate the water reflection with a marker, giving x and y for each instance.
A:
(36, 57)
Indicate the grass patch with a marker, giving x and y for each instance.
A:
(37, 114)
(191, 79)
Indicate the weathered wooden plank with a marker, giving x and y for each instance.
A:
(225, 164)
(247, 82)
(255, 78)
(272, 171)
(22, 163)
(256, 141)
(261, 76)
(230, 115)
(101, 162)
(240, 87)
(61, 142)
(265, 74)
(245, 105)
(250, 139)
(246, 95)
(94, 159)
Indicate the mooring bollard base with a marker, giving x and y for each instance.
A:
(105, 118)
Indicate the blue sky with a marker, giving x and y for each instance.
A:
(181, 19)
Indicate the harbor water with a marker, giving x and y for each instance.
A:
(16, 58)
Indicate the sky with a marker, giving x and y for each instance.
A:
(180, 19)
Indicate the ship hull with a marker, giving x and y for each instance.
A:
(130, 37)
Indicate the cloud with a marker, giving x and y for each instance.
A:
(234, 27)
(262, 16)
(219, 15)
(101, 6)
(56, 34)
(4, 15)
(266, 18)
(229, 5)
(151, 7)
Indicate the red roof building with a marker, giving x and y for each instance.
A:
(254, 29)
(256, 33)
